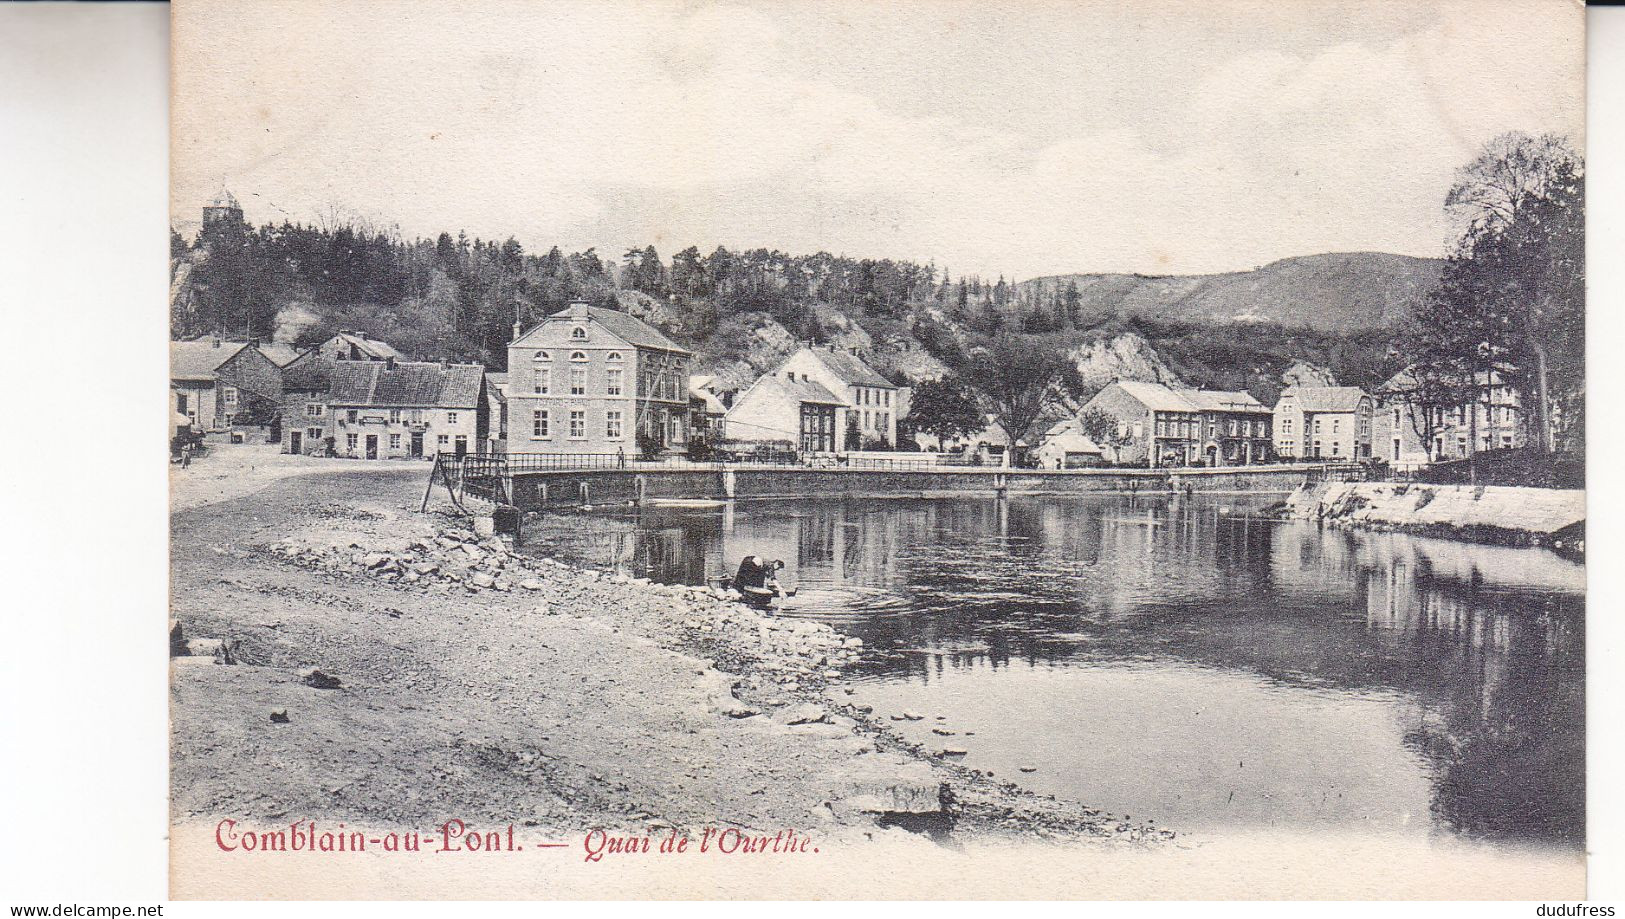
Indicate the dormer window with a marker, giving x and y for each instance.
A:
(579, 333)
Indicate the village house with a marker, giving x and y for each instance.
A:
(1411, 430)
(1155, 425)
(706, 408)
(1323, 422)
(819, 400)
(1065, 446)
(1235, 427)
(346, 345)
(594, 380)
(496, 408)
(384, 409)
(216, 383)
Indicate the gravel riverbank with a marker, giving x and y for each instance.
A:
(455, 678)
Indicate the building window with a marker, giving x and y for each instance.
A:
(880, 421)
(612, 381)
(578, 381)
(579, 333)
(314, 434)
(544, 380)
(349, 442)
(542, 356)
(885, 397)
(578, 424)
(1336, 423)
(612, 424)
(394, 441)
(350, 416)
(1335, 447)
(1317, 425)
(451, 417)
(614, 356)
(314, 410)
(1139, 430)
(538, 423)
(442, 440)
(416, 416)
(578, 357)
(230, 394)
(395, 418)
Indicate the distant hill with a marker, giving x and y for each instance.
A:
(1339, 291)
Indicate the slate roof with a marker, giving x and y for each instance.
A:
(198, 360)
(497, 385)
(698, 388)
(1219, 400)
(375, 383)
(1326, 398)
(851, 369)
(372, 347)
(1071, 442)
(1156, 396)
(808, 391)
(280, 354)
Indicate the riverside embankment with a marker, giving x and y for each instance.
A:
(1484, 513)
(538, 488)
(457, 679)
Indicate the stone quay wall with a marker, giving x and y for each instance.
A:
(575, 487)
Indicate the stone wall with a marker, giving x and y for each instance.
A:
(613, 486)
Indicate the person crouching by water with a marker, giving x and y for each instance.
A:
(757, 580)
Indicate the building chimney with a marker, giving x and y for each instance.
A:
(389, 363)
(253, 342)
(216, 342)
(517, 328)
(578, 309)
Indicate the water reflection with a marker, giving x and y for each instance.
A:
(1128, 648)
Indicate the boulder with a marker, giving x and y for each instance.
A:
(531, 584)
(481, 579)
(312, 677)
(805, 713)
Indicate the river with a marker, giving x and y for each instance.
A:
(1181, 660)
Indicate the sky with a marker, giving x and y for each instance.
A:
(1025, 138)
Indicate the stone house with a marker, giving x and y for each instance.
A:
(781, 410)
(1324, 422)
(987, 446)
(1410, 431)
(1156, 425)
(496, 408)
(1065, 446)
(385, 409)
(1235, 427)
(215, 382)
(593, 380)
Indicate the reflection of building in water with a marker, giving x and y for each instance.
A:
(829, 544)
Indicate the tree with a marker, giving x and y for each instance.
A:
(1103, 428)
(946, 409)
(1022, 376)
(1511, 299)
